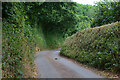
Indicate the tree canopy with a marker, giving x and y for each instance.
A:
(107, 11)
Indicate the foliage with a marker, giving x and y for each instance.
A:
(61, 18)
(55, 18)
(84, 13)
(85, 10)
(106, 12)
(18, 46)
(97, 47)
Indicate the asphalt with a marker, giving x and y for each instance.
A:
(51, 65)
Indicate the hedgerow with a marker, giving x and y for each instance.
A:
(18, 44)
(97, 47)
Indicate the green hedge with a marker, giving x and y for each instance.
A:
(18, 44)
(97, 47)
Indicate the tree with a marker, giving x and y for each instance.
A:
(106, 12)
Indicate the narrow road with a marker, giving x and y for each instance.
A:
(51, 65)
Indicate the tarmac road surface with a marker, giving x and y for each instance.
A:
(51, 65)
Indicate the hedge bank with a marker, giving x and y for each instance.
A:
(18, 44)
(97, 47)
